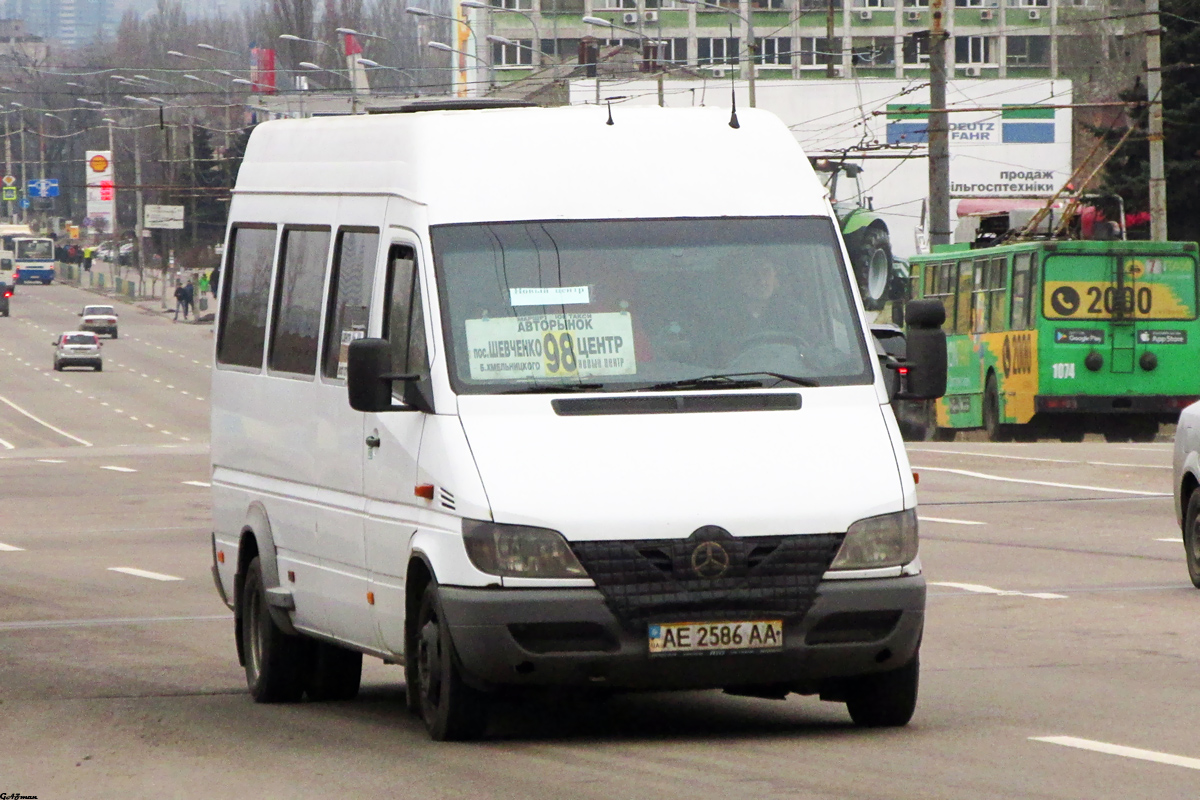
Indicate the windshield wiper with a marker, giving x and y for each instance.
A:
(729, 381)
(559, 388)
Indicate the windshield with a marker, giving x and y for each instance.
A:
(79, 338)
(1103, 286)
(96, 310)
(628, 304)
(41, 249)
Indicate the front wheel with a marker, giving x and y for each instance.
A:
(114, 333)
(1191, 538)
(885, 699)
(274, 661)
(451, 710)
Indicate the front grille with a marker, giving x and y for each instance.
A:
(656, 580)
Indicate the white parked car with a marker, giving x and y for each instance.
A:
(1187, 478)
(77, 349)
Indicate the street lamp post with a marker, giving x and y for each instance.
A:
(751, 44)
(8, 209)
(21, 139)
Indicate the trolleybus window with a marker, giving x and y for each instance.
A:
(1022, 291)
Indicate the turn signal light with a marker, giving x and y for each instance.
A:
(916, 477)
(424, 490)
(370, 598)
(220, 556)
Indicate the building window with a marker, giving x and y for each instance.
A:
(1028, 3)
(774, 51)
(767, 5)
(916, 48)
(1028, 51)
(916, 3)
(973, 50)
(561, 48)
(817, 51)
(561, 6)
(523, 5)
(615, 5)
(873, 51)
(973, 3)
(716, 51)
(874, 3)
(817, 5)
(510, 55)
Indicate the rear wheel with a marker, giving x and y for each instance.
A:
(885, 699)
(996, 431)
(1191, 538)
(274, 660)
(99, 368)
(452, 711)
(114, 333)
(872, 261)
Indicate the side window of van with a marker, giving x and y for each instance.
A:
(296, 321)
(245, 285)
(404, 317)
(349, 296)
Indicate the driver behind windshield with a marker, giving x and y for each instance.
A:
(759, 310)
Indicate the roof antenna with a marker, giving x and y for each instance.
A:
(609, 104)
(733, 120)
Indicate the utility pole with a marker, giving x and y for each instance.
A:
(24, 183)
(137, 223)
(939, 131)
(1158, 176)
(830, 72)
(8, 209)
(112, 223)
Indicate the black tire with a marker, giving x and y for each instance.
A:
(452, 711)
(1191, 538)
(996, 432)
(274, 661)
(57, 367)
(1143, 429)
(332, 673)
(885, 699)
(114, 335)
(872, 261)
(99, 368)
(1117, 429)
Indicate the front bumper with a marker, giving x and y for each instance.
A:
(569, 637)
(98, 327)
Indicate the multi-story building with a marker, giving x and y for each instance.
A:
(69, 23)
(872, 38)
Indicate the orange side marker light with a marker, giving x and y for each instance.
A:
(424, 490)
(370, 598)
(916, 476)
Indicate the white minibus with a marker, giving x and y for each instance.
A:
(526, 397)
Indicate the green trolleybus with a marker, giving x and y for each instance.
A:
(1064, 337)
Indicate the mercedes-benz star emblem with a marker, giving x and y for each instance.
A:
(710, 560)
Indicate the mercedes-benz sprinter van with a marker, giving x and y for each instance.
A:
(527, 397)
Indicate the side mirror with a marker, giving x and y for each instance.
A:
(926, 359)
(369, 380)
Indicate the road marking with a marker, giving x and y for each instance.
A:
(1120, 750)
(976, 588)
(52, 460)
(196, 483)
(141, 573)
(8, 548)
(7, 445)
(1176, 540)
(119, 469)
(43, 422)
(1034, 458)
(94, 623)
(986, 477)
(951, 521)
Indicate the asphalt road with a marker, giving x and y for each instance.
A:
(1059, 607)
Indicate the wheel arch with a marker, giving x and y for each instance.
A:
(256, 540)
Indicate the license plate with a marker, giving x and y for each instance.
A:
(709, 637)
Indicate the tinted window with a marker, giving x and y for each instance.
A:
(404, 321)
(350, 297)
(247, 282)
(298, 285)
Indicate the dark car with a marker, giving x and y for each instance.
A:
(5, 293)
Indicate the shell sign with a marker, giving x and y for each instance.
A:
(98, 162)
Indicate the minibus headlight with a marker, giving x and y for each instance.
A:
(519, 551)
(889, 540)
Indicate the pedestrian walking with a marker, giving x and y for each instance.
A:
(203, 284)
(189, 297)
(213, 278)
(179, 299)
(88, 253)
